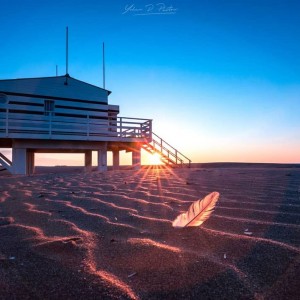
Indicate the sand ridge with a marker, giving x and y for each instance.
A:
(110, 235)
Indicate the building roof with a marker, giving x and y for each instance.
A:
(55, 87)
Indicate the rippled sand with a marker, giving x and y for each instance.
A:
(110, 235)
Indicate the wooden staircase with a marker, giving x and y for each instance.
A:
(169, 155)
(5, 163)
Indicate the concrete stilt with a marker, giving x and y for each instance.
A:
(136, 158)
(88, 161)
(116, 159)
(19, 161)
(102, 160)
(30, 162)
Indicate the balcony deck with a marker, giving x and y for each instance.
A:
(49, 127)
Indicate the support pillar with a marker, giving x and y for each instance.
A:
(102, 159)
(22, 161)
(136, 158)
(116, 159)
(88, 161)
(30, 162)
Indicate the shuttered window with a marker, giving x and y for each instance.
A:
(49, 107)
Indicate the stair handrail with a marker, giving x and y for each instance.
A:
(168, 151)
(176, 151)
(5, 159)
(5, 162)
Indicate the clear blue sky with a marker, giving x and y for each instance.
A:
(221, 79)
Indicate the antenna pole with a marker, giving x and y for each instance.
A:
(67, 54)
(103, 64)
(67, 50)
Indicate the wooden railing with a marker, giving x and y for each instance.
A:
(168, 152)
(133, 127)
(30, 125)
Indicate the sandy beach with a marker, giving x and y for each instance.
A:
(76, 235)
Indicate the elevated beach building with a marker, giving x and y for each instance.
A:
(64, 115)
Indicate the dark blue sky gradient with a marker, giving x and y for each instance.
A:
(229, 38)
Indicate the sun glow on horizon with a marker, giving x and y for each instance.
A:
(154, 159)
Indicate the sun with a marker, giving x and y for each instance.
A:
(155, 159)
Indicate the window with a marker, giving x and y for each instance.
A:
(49, 107)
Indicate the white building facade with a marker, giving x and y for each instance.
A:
(64, 115)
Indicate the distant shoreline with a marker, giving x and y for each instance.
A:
(210, 165)
(243, 165)
(71, 169)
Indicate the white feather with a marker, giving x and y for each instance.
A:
(198, 212)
